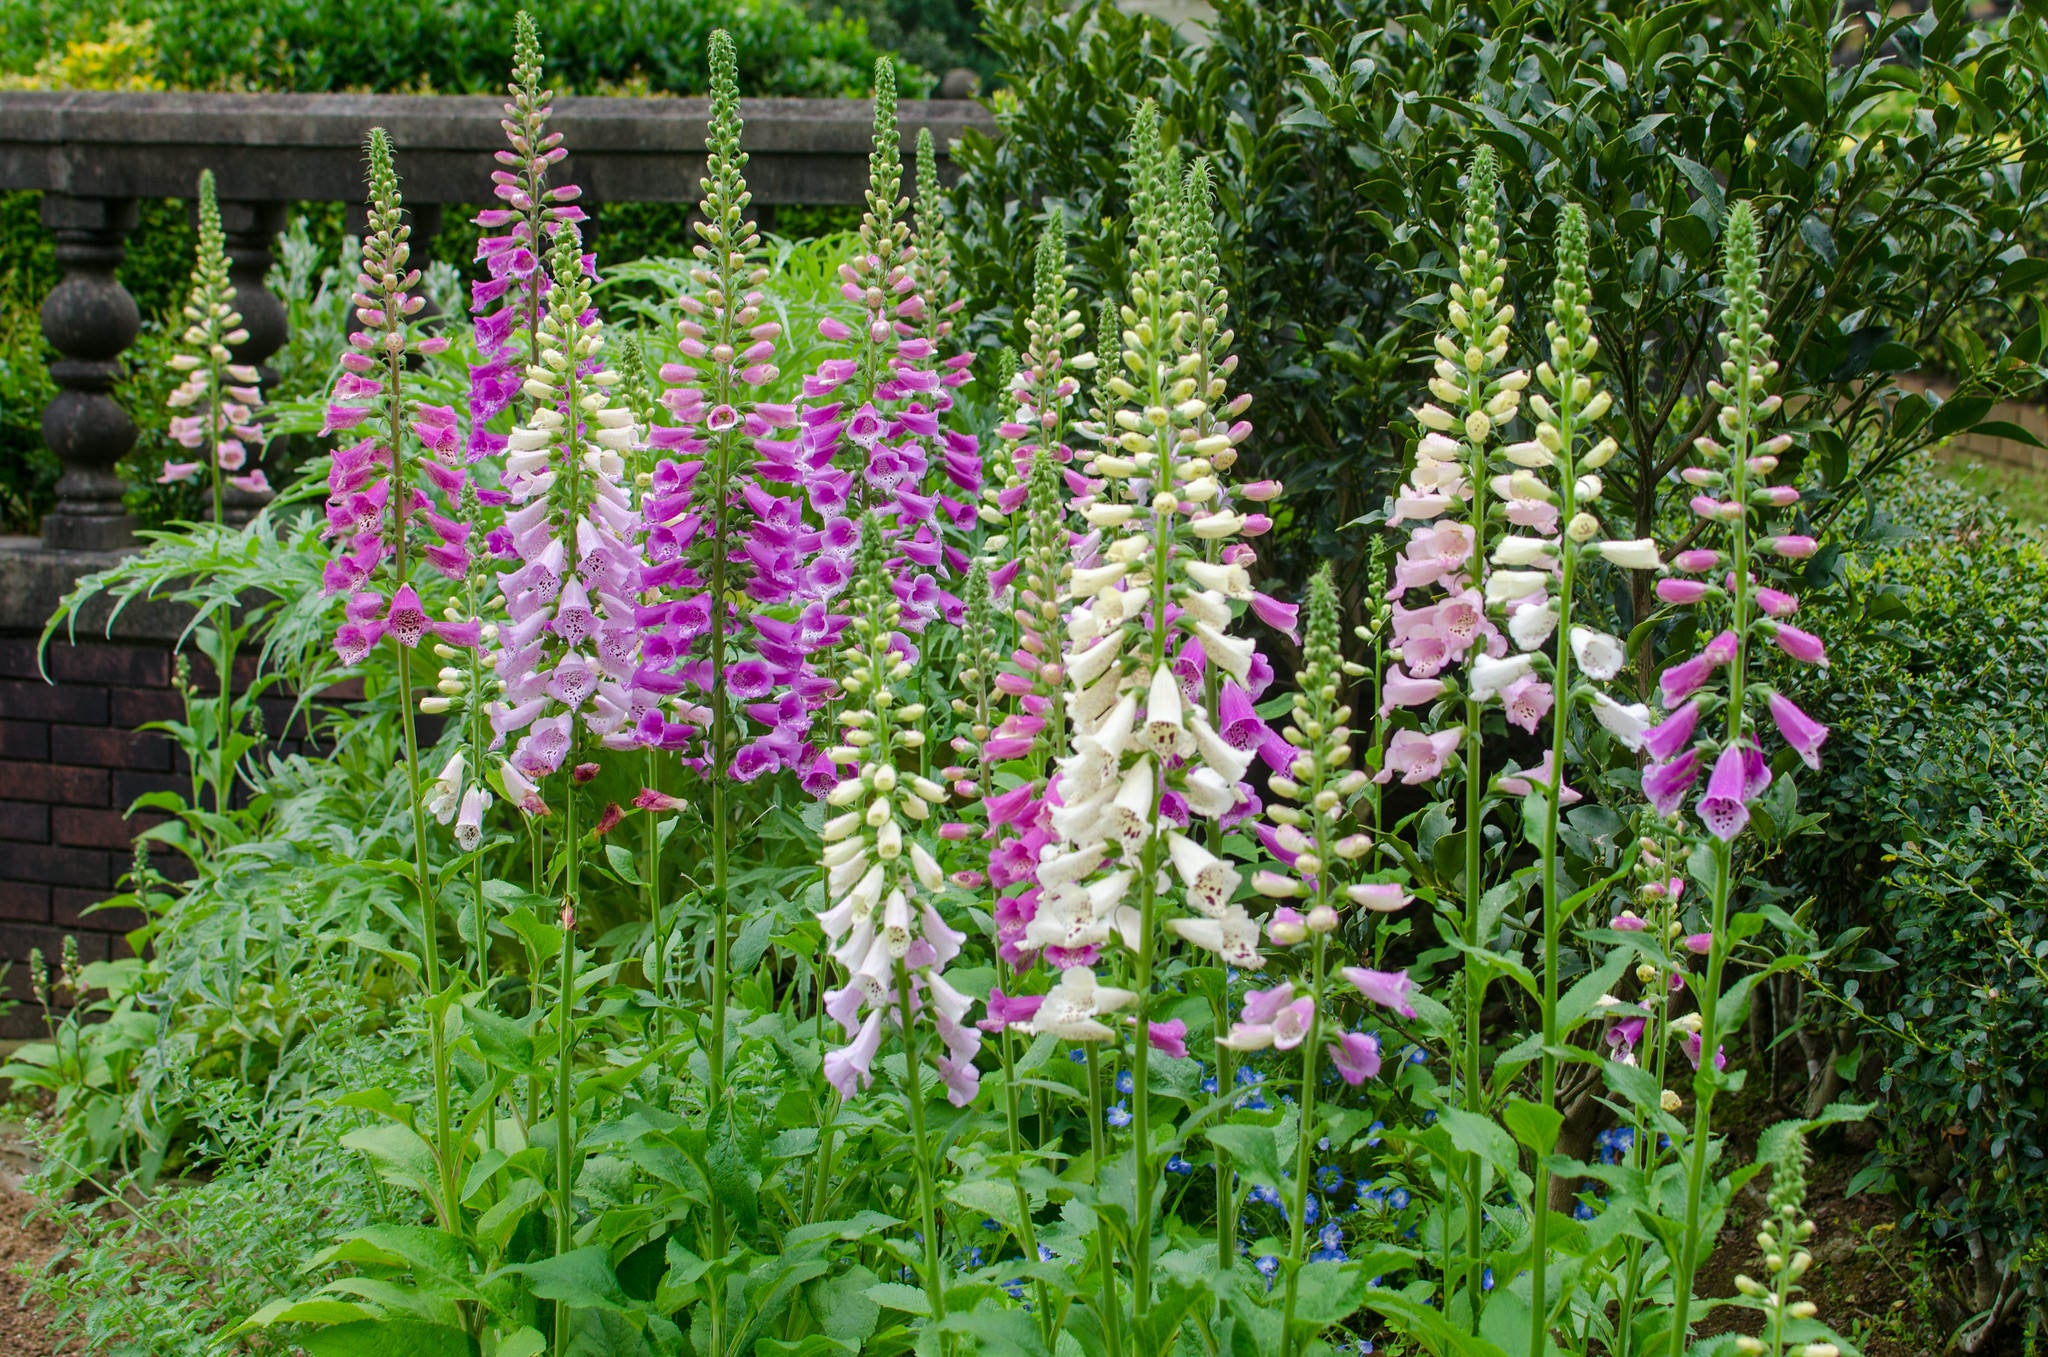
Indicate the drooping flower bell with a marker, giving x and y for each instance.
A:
(508, 305)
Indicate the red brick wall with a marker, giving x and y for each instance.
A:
(71, 763)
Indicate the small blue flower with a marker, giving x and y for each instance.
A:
(1398, 1199)
(971, 1261)
(1429, 1117)
(990, 1225)
(1329, 1256)
(1310, 1210)
(1268, 1267)
(1176, 1164)
(1583, 1211)
(1364, 1348)
(1015, 1286)
(1209, 1084)
(1248, 1075)
(1045, 1255)
(1078, 1055)
(1118, 1116)
(1372, 1138)
(1418, 1056)
(1256, 1103)
(1486, 1279)
(1329, 1178)
(1331, 1236)
(1125, 1082)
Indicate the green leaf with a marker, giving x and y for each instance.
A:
(582, 1278)
(728, 1163)
(1533, 1124)
(400, 1156)
(1330, 1293)
(388, 1338)
(896, 1296)
(1482, 1136)
(1254, 1151)
(991, 1197)
(843, 1306)
(527, 1342)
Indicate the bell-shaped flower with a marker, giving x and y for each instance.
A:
(1388, 989)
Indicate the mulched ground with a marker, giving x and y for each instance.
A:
(24, 1244)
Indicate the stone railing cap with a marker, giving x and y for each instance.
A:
(309, 146)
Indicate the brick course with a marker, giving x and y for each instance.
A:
(71, 763)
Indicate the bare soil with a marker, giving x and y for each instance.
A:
(26, 1240)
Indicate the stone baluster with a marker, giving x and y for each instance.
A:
(250, 228)
(90, 320)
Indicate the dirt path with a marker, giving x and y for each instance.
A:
(24, 1332)
(24, 1243)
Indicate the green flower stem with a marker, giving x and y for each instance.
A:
(565, 1037)
(913, 1103)
(659, 980)
(1745, 396)
(1105, 1250)
(1226, 1195)
(1311, 1047)
(1144, 1170)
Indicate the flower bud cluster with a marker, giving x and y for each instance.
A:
(507, 307)
(1783, 1241)
(1707, 696)
(882, 925)
(217, 395)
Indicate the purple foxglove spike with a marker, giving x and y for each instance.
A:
(1722, 809)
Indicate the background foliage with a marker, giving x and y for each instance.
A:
(1893, 192)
